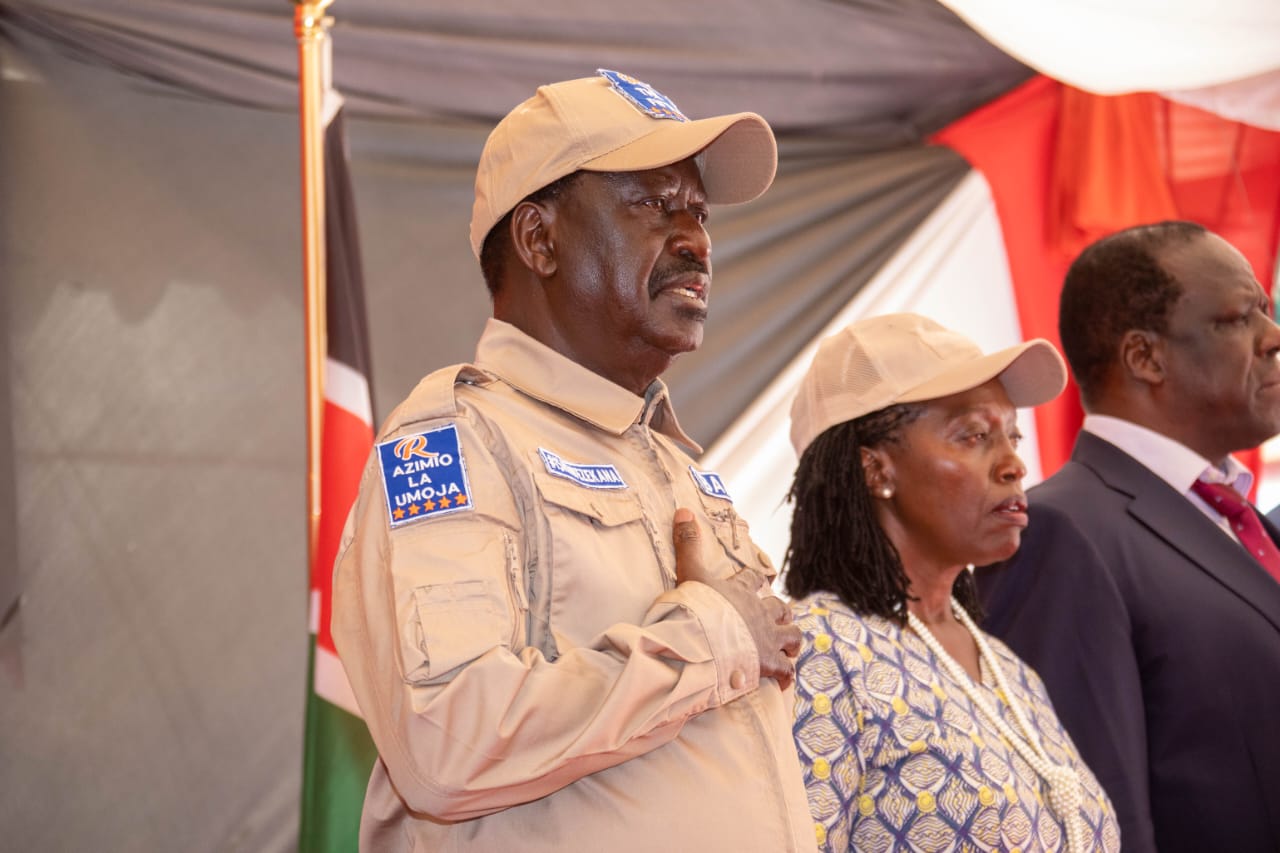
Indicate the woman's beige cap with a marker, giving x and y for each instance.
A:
(906, 358)
(614, 123)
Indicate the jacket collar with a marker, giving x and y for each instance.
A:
(538, 371)
(1170, 516)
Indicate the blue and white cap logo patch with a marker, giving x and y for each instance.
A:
(710, 483)
(591, 476)
(642, 96)
(424, 475)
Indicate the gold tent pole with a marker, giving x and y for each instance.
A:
(311, 27)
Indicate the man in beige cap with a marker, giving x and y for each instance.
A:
(544, 660)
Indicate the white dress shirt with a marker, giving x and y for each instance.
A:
(1175, 463)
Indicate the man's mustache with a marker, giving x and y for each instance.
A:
(659, 278)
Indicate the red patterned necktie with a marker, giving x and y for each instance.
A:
(1244, 521)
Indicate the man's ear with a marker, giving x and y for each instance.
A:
(531, 237)
(1142, 356)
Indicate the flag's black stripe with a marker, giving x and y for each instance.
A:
(347, 320)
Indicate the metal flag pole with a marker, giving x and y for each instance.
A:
(311, 27)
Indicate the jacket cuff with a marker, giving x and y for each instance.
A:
(733, 651)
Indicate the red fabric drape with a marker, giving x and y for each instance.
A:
(1066, 167)
(1012, 142)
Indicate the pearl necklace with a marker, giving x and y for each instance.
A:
(1064, 795)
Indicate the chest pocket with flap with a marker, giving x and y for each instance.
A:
(597, 562)
(734, 534)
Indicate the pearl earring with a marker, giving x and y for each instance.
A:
(886, 493)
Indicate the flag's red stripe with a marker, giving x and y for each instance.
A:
(345, 447)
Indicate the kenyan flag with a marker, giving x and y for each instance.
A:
(339, 753)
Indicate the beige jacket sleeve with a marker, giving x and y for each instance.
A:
(430, 623)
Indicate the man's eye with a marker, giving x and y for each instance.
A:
(656, 203)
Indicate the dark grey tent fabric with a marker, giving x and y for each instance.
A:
(149, 257)
(10, 619)
(837, 79)
(900, 68)
(150, 260)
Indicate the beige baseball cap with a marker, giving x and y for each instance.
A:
(614, 123)
(906, 358)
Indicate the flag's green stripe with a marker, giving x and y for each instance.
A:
(338, 757)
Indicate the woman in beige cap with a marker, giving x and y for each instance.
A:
(916, 730)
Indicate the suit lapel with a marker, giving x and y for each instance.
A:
(1156, 505)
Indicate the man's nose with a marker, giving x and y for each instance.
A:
(1269, 340)
(690, 239)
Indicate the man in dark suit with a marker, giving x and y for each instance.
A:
(1156, 632)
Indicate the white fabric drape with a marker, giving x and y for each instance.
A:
(1223, 57)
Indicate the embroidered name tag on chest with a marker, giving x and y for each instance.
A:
(710, 483)
(590, 476)
(424, 475)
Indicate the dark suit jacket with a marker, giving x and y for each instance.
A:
(1158, 637)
